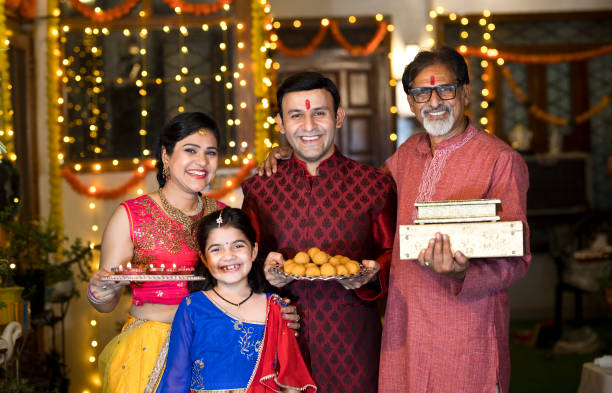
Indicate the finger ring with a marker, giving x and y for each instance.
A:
(427, 264)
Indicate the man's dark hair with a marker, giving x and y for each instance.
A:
(445, 56)
(304, 81)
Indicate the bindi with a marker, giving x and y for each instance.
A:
(307, 103)
(432, 80)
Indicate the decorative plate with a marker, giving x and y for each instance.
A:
(153, 277)
(277, 271)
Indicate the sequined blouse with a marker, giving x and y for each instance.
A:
(158, 239)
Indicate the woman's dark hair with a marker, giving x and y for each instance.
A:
(304, 81)
(446, 56)
(234, 218)
(180, 127)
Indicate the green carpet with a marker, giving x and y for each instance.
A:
(538, 370)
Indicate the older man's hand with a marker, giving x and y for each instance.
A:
(439, 258)
(270, 163)
(369, 274)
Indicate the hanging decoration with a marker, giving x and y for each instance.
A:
(260, 78)
(121, 10)
(138, 176)
(354, 50)
(54, 73)
(96, 14)
(198, 8)
(547, 117)
(308, 49)
(26, 8)
(357, 50)
(536, 59)
(6, 115)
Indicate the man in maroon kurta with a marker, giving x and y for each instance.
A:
(319, 198)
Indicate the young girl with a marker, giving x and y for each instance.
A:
(227, 334)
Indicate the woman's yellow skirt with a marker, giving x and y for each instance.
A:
(133, 361)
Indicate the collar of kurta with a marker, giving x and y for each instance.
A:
(424, 146)
(324, 167)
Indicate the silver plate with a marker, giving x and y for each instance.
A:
(152, 277)
(277, 271)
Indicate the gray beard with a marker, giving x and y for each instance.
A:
(438, 127)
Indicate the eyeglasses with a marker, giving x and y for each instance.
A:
(422, 95)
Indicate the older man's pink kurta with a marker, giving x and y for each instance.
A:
(441, 334)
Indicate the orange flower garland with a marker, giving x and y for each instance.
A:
(357, 50)
(545, 116)
(137, 177)
(105, 16)
(537, 59)
(307, 50)
(354, 50)
(124, 8)
(198, 8)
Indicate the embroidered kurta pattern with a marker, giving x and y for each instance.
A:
(348, 209)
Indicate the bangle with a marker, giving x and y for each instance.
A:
(92, 298)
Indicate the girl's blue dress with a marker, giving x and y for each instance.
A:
(209, 350)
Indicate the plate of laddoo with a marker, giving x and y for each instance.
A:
(316, 264)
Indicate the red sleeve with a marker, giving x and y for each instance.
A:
(383, 232)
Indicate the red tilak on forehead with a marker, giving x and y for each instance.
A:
(307, 102)
(432, 80)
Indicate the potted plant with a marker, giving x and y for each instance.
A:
(10, 294)
(30, 249)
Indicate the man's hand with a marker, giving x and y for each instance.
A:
(439, 258)
(269, 164)
(275, 259)
(370, 274)
(289, 314)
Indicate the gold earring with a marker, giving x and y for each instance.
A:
(166, 172)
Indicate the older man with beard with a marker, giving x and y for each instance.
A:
(446, 323)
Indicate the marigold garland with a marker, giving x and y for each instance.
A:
(259, 74)
(357, 50)
(537, 59)
(198, 8)
(5, 81)
(124, 8)
(308, 49)
(354, 50)
(547, 117)
(139, 174)
(116, 12)
(53, 136)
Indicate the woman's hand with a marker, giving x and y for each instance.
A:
(102, 294)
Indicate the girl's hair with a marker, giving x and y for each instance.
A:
(180, 127)
(234, 218)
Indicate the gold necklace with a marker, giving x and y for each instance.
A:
(177, 214)
(237, 305)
